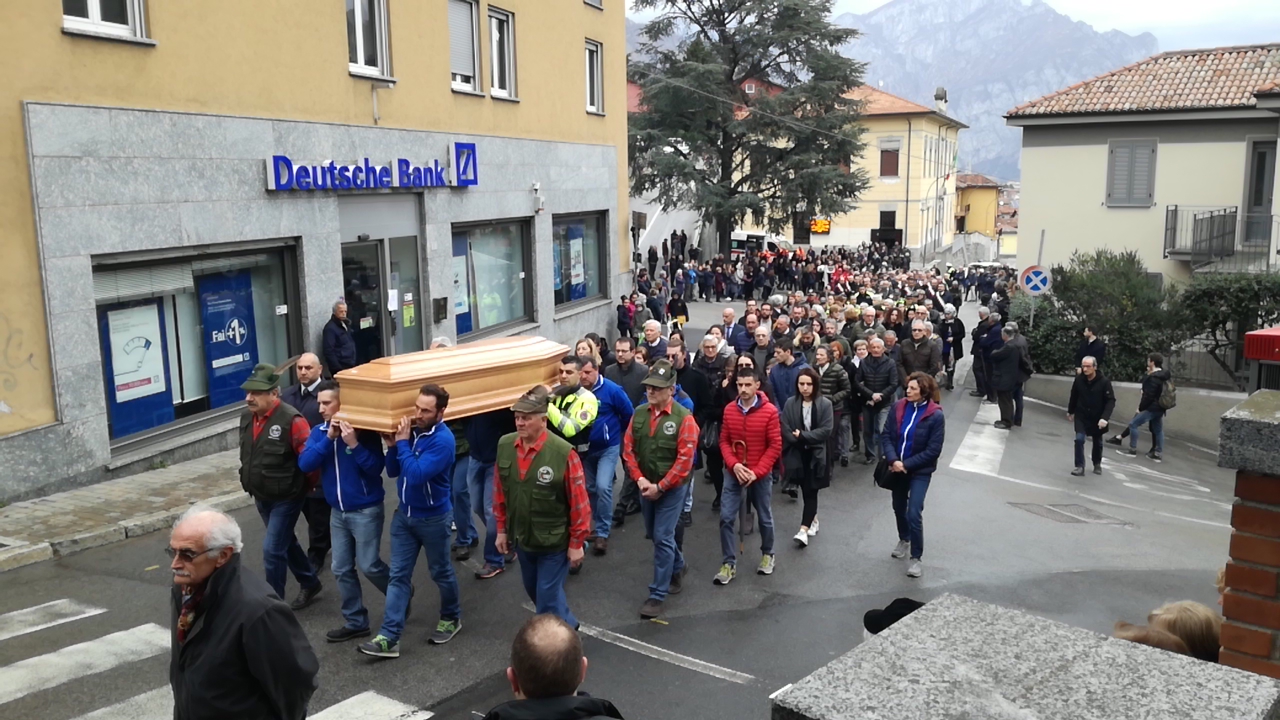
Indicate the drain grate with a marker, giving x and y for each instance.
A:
(1070, 513)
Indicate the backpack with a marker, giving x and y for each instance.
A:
(1168, 396)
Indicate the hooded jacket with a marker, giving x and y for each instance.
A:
(351, 477)
(914, 433)
(1152, 386)
(783, 377)
(613, 413)
(572, 707)
(423, 468)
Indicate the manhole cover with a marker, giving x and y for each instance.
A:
(1047, 512)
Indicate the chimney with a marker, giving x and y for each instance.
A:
(940, 99)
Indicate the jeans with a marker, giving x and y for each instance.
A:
(1156, 418)
(544, 574)
(844, 435)
(408, 537)
(1081, 433)
(661, 517)
(688, 499)
(480, 488)
(758, 495)
(872, 424)
(461, 495)
(908, 510)
(357, 535)
(601, 469)
(1017, 404)
(280, 548)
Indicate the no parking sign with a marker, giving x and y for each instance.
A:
(1036, 280)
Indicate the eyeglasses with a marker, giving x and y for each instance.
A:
(188, 555)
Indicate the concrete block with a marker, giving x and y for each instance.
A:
(1249, 436)
(19, 555)
(244, 139)
(70, 131)
(69, 284)
(230, 501)
(960, 658)
(75, 336)
(80, 387)
(145, 524)
(97, 537)
(108, 229)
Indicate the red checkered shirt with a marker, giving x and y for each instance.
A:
(299, 432)
(687, 441)
(575, 482)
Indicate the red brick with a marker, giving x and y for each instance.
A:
(1263, 489)
(1253, 580)
(1255, 549)
(1252, 664)
(1256, 520)
(1255, 611)
(1247, 640)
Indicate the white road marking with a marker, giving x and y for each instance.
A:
(658, 653)
(75, 661)
(154, 705)
(983, 446)
(371, 706)
(21, 622)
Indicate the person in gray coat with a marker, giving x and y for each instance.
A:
(807, 422)
(1005, 373)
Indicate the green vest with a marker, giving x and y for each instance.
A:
(658, 453)
(269, 466)
(537, 511)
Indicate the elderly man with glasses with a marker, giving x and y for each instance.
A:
(238, 650)
(919, 353)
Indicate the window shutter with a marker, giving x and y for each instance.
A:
(1142, 189)
(141, 283)
(1119, 171)
(462, 38)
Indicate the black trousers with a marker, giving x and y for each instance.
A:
(810, 496)
(316, 511)
(1005, 401)
(715, 466)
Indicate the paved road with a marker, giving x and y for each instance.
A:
(1004, 523)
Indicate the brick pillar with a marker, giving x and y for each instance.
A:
(1250, 442)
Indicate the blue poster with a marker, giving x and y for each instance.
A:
(461, 285)
(577, 266)
(135, 366)
(230, 339)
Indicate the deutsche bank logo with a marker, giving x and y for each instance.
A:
(464, 168)
(237, 331)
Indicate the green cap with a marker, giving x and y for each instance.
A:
(533, 402)
(262, 378)
(661, 375)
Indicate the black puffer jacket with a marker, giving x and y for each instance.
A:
(1152, 386)
(835, 386)
(878, 375)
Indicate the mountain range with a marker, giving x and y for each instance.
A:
(990, 55)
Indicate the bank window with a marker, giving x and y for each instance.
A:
(577, 257)
(464, 63)
(502, 62)
(595, 71)
(367, 48)
(113, 17)
(492, 285)
(177, 339)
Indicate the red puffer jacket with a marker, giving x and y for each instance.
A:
(753, 438)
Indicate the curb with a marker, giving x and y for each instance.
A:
(28, 554)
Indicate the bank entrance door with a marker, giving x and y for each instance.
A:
(380, 284)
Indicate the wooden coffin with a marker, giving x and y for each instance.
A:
(480, 376)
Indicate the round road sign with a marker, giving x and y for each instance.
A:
(1036, 280)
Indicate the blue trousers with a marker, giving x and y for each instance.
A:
(409, 536)
(660, 519)
(480, 488)
(280, 548)
(1156, 419)
(357, 535)
(601, 469)
(759, 494)
(544, 574)
(908, 510)
(461, 496)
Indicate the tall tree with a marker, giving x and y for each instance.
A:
(702, 142)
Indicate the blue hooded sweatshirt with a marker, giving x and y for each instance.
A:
(351, 477)
(612, 417)
(914, 433)
(423, 468)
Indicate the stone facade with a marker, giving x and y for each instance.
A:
(119, 182)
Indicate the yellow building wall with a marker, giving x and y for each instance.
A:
(282, 59)
(983, 204)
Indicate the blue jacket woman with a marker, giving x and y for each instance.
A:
(912, 442)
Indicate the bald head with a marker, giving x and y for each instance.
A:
(308, 368)
(546, 659)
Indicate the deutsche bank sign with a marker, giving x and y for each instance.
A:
(460, 169)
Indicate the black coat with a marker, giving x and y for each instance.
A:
(246, 657)
(695, 384)
(339, 345)
(1092, 400)
(1005, 367)
(575, 707)
(805, 457)
(630, 378)
(1152, 387)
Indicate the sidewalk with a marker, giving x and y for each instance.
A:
(67, 522)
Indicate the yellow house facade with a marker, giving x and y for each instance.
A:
(911, 160)
(977, 204)
(188, 188)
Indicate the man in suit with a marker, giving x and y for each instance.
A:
(314, 507)
(734, 332)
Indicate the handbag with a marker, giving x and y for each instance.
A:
(887, 478)
(709, 439)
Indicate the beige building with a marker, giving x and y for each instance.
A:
(911, 161)
(1173, 156)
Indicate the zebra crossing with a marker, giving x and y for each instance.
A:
(66, 665)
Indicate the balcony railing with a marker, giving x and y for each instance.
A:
(1220, 239)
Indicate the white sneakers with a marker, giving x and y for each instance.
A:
(901, 550)
(914, 570)
(813, 529)
(802, 538)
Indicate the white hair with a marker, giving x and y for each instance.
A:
(874, 341)
(652, 323)
(223, 530)
(709, 338)
(983, 311)
(342, 302)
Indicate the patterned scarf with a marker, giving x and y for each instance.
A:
(187, 615)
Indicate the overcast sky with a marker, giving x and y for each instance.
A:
(1177, 24)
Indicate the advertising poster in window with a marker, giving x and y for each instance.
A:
(557, 265)
(230, 338)
(137, 354)
(577, 272)
(461, 285)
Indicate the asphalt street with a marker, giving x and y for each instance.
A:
(1004, 522)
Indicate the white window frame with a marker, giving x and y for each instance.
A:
(509, 92)
(94, 23)
(596, 88)
(384, 48)
(474, 85)
(749, 88)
